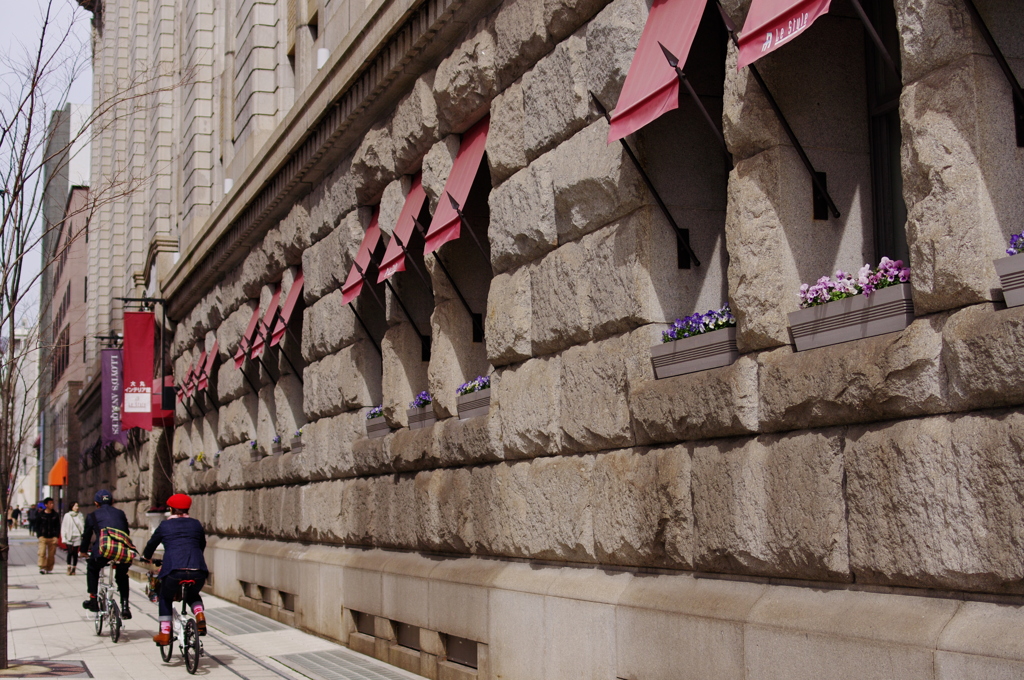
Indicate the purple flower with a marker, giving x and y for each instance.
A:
(695, 324)
(481, 382)
(375, 412)
(1016, 244)
(888, 273)
(422, 399)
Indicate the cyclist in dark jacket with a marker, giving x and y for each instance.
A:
(184, 541)
(105, 516)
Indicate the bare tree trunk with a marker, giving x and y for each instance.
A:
(4, 565)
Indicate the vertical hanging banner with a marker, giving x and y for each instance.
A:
(111, 392)
(139, 330)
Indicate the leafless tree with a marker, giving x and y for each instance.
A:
(34, 83)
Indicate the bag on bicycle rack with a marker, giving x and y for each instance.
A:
(116, 545)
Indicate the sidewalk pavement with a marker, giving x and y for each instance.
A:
(48, 625)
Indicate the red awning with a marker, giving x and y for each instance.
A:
(354, 283)
(161, 418)
(58, 473)
(246, 340)
(281, 326)
(394, 258)
(206, 368)
(188, 386)
(263, 332)
(772, 23)
(197, 372)
(446, 224)
(652, 86)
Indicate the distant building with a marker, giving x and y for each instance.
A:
(26, 484)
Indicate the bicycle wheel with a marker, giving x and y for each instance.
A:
(98, 621)
(191, 647)
(167, 650)
(115, 624)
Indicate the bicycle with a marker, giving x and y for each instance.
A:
(106, 596)
(185, 631)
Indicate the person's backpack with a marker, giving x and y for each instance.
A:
(116, 545)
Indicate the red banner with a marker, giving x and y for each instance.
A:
(139, 328)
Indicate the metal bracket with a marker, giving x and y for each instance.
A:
(996, 52)
(475, 318)
(673, 61)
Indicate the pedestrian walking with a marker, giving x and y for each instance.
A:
(71, 529)
(33, 512)
(16, 516)
(48, 528)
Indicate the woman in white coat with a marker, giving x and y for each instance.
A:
(71, 528)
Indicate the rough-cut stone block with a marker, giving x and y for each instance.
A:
(521, 38)
(612, 37)
(466, 81)
(322, 265)
(954, 203)
(772, 506)
(593, 415)
(255, 272)
(933, 33)
(237, 422)
(564, 17)
(595, 183)
(889, 376)
(643, 513)
(444, 501)
(720, 402)
(331, 198)
(527, 397)
(522, 226)
(414, 125)
(437, 165)
(508, 324)
(231, 383)
(328, 325)
(981, 354)
(343, 381)
(373, 164)
(391, 202)
(506, 153)
(555, 98)
(935, 502)
(404, 373)
(464, 442)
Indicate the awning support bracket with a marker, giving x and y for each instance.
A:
(673, 61)
(270, 334)
(873, 34)
(476, 319)
(681, 235)
(408, 258)
(424, 339)
(731, 28)
(996, 52)
(366, 329)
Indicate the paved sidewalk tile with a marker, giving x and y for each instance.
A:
(51, 626)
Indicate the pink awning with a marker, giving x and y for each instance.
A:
(161, 418)
(446, 223)
(652, 87)
(189, 384)
(281, 326)
(263, 331)
(394, 257)
(246, 340)
(354, 283)
(206, 368)
(772, 23)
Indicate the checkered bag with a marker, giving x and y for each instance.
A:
(116, 545)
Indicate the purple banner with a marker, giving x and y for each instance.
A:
(111, 393)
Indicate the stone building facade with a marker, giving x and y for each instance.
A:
(850, 511)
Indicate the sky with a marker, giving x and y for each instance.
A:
(20, 25)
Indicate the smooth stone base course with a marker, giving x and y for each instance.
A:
(474, 404)
(538, 620)
(699, 353)
(1011, 278)
(862, 316)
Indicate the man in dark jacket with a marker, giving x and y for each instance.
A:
(32, 513)
(184, 541)
(105, 516)
(48, 528)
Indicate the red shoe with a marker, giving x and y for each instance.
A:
(162, 639)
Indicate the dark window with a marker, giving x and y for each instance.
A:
(364, 622)
(884, 87)
(460, 650)
(408, 636)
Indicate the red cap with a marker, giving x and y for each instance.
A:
(179, 501)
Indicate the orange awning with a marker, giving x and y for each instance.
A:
(58, 473)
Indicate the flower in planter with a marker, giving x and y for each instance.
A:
(1016, 244)
(696, 324)
(481, 382)
(298, 433)
(277, 439)
(192, 462)
(216, 456)
(252, 443)
(844, 285)
(422, 399)
(200, 457)
(375, 412)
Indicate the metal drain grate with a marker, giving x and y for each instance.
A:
(340, 664)
(235, 621)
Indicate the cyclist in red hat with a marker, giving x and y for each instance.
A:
(184, 541)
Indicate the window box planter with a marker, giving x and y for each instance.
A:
(421, 417)
(474, 404)
(696, 353)
(377, 427)
(296, 446)
(862, 316)
(276, 449)
(1011, 276)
